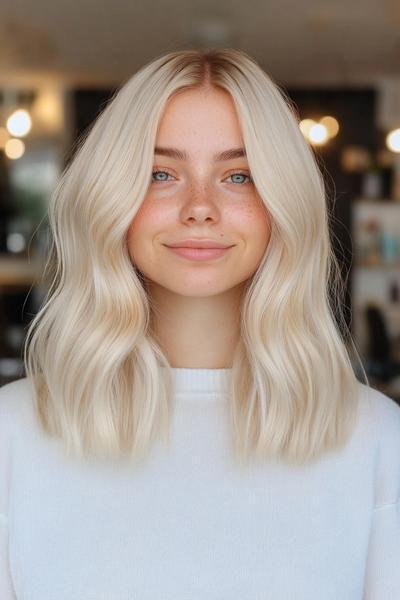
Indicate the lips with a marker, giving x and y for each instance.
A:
(198, 244)
(200, 254)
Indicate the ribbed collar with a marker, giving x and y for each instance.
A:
(200, 380)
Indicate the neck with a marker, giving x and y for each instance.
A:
(196, 332)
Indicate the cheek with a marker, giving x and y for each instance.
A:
(145, 232)
(255, 223)
(146, 220)
(154, 215)
(264, 220)
(137, 233)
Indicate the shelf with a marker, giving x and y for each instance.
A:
(377, 201)
(19, 271)
(377, 265)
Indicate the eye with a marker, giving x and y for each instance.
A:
(163, 172)
(238, 174)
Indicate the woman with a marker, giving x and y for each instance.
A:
(190, 425)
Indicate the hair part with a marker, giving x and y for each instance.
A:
(95, 365)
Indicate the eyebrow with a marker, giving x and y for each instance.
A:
(182, 155)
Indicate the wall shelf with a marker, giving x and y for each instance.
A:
(375, 270)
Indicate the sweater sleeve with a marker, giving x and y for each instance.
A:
(382, 579)
(6, 587)
(383, 572)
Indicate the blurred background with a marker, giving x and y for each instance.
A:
(338, 62)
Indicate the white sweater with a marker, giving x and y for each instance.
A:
(191, 525)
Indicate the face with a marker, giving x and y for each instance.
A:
(197, 196)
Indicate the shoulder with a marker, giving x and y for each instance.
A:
(15, 400)
(11, 392)
(383, 412)
(381, 417)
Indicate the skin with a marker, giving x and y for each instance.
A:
(195, 305)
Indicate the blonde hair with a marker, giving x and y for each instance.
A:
(90, 353)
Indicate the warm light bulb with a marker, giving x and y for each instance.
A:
(318, 134)
(305, 126)
(47, 110)
(19, 123)
(331, 124)
(14, 148)
(393, 140)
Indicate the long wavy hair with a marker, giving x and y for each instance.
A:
(100, 380)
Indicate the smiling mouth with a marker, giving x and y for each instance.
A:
(200, 253)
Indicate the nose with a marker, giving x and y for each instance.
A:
(200, 204)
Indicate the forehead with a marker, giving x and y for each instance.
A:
(200, 119)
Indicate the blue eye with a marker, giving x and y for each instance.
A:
(160, 180)
(241, 175)
(236, 174)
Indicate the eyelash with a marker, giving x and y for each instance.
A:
(231, 175)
